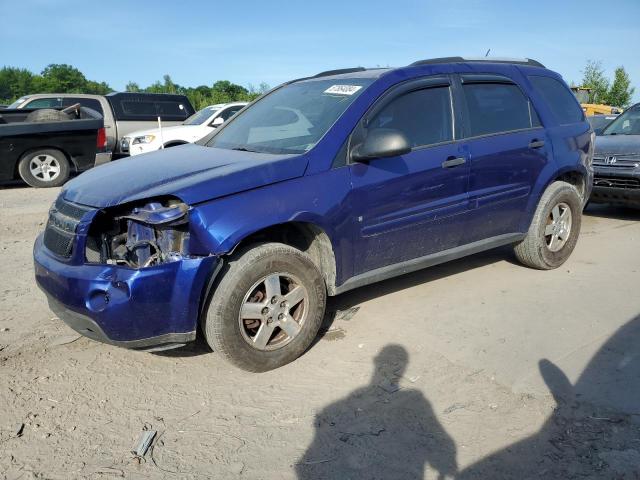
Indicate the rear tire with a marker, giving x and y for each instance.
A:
(44, 168)
(266, 308)
(554, 230)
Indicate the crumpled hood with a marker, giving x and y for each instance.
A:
(192, 173)
(617, 144)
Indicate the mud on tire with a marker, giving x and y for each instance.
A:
(551, 237)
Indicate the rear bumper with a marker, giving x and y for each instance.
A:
(151, 308)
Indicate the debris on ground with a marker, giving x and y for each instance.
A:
(144, 442)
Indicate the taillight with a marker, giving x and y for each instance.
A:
(101, 141)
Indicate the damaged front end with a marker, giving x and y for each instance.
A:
(140, 236)
(127, 275)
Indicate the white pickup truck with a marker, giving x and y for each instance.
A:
(197, 126)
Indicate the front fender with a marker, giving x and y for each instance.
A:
(216, 227)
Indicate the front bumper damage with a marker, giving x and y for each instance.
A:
(153, 306)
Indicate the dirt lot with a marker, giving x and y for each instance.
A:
(476, 369)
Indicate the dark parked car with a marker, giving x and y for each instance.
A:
(616, 161)
(43, 147)
(324, 184)
(599, 122)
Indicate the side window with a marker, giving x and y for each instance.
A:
(561, 101)
(497, 107)
(424, 116)
(44, 103)
(91, 103)
(230, 112)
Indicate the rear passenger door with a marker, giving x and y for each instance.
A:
(508, 149)
(410, 205)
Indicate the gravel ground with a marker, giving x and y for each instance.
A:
(476, 369)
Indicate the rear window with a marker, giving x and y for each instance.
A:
(91, 103)
(497, 108)
(44, 103)
(561, 101)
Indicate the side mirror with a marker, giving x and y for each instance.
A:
(381, 143)
(598, 131)
(217, 122)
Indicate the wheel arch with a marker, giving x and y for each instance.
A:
(307, 237)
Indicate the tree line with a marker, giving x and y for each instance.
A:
(62, 78)
(617, 93)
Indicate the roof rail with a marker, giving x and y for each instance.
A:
(516, 61)
(340, 71)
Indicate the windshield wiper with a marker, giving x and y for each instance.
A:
(244, 149)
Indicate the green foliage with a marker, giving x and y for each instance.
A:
(595, 79)
(617, 94)
(15, 82)
(621, 92)
(62, 78)
(132, 87)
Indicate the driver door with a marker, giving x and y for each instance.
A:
(411, 205)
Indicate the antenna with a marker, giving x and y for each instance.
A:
(487, 54)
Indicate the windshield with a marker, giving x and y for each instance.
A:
(17, 103)
(293, 118)
(626, 124)
(201, 116)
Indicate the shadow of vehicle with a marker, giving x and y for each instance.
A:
(343, 305)
(603, 210)
(379, 431)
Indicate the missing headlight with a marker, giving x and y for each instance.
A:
(139, 236)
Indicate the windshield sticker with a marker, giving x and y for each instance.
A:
(343, 89)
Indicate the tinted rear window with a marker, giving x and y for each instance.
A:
(561, 101)
(91, 103)
(496, 108)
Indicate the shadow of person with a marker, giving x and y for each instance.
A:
(379, 431)
(592, 432)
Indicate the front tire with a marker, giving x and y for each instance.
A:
(44, 168)
(267, 307)
(554, 230)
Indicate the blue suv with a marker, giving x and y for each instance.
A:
(322, 185)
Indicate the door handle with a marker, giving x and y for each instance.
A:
(453, 162)
(536, 143)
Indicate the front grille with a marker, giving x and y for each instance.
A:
(64, 218)
(617, 161)
(617, 182)
(58, 242)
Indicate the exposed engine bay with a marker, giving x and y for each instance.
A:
(139, 236)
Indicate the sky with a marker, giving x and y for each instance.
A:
(199, 42)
